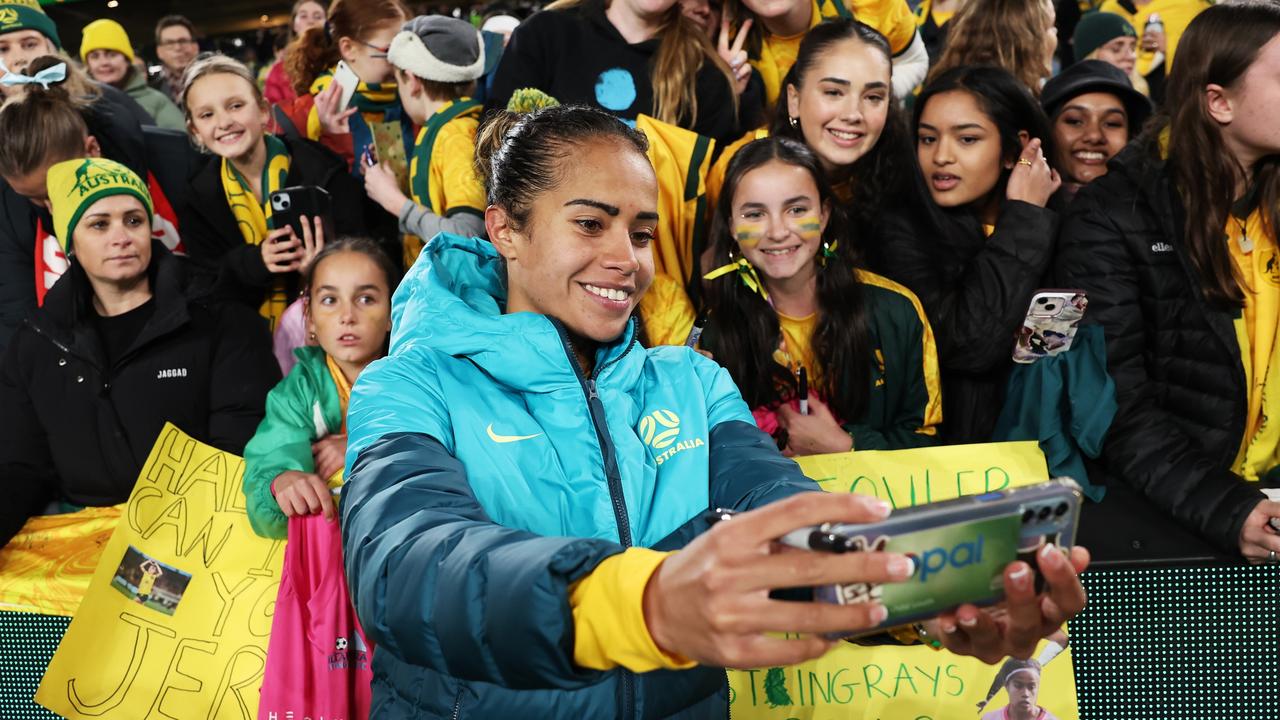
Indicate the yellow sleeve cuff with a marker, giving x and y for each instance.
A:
(608, 616)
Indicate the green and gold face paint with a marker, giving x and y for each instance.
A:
(749, 234)
(809, 228)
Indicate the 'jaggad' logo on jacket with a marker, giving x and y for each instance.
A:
(171, 373)
(659, 430)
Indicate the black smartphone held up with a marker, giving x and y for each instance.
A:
(289, 205)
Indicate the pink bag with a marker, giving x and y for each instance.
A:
(318, 661)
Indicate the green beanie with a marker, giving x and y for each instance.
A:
(1096, 29)
(18, 15)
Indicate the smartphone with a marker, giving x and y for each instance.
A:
(960, 548)
(348, 80)
(289, 205)
(1050, 324)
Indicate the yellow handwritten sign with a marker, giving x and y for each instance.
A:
(47, 566)
(905, 683)
(176, 619)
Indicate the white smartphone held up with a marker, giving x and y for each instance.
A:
(348, 81)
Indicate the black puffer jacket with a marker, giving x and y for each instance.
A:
(75, 429)
(975, 291)
(214, 243)
(112, 121)
(1174, 358)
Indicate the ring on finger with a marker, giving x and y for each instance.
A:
(1271, 558)
(1024, 161)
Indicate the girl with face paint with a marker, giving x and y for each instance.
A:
(789, 299)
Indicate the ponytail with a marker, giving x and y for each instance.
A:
(44, 125)
(316, 50)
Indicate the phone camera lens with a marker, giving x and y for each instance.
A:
(1061, 510)
(1044, 512)
(1028, 515)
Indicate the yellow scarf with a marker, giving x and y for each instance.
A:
(344, 399)
(1257, 264)
(253, 216)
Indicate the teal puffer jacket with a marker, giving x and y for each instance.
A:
(486, 474)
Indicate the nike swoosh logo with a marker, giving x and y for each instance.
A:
(508, 438)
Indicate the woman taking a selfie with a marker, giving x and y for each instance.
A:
(522, 467)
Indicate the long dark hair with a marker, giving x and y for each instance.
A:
(1009, 105)
(1218, 47)
(744, 329)
(884, 171)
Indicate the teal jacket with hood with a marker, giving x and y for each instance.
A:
(301, 409)
(486, 474)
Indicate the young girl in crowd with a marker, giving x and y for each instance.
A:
(358, 33)
(307, 14)
(1018, 35)
(1094, 111)
(1176, 248)
(832, 358)
(232, 234)
(779, 27)
(625, 56)
(44, 126)
(437, 61)
(107, 53)
(297, 455)
(520, 469)
(838, 102)
(118, 350)
(975, 242)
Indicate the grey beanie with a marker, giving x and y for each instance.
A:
(439, 49)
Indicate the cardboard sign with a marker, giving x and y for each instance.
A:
(916, 682)
(176, 618)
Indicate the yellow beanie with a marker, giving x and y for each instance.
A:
(75, 185)
(105, 34)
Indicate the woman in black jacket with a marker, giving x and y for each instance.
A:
(117, 351)
(976, 241)
(1172, 245)
(232, 233)
(72, 118)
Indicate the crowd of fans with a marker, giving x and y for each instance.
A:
(842, 208)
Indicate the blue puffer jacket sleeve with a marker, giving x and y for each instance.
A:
(420, 552)
(746, 469)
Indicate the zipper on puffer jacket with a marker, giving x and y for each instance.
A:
(457, 704)
(613, 476)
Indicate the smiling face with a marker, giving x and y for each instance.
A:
(349, 309)
(844, 103)
(108, 66)
(584, 255)
(226, 115)
(1088, 131)
(1121, 52)
(308, 15)
(958, 147)
(778, 221)
(112, 241)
